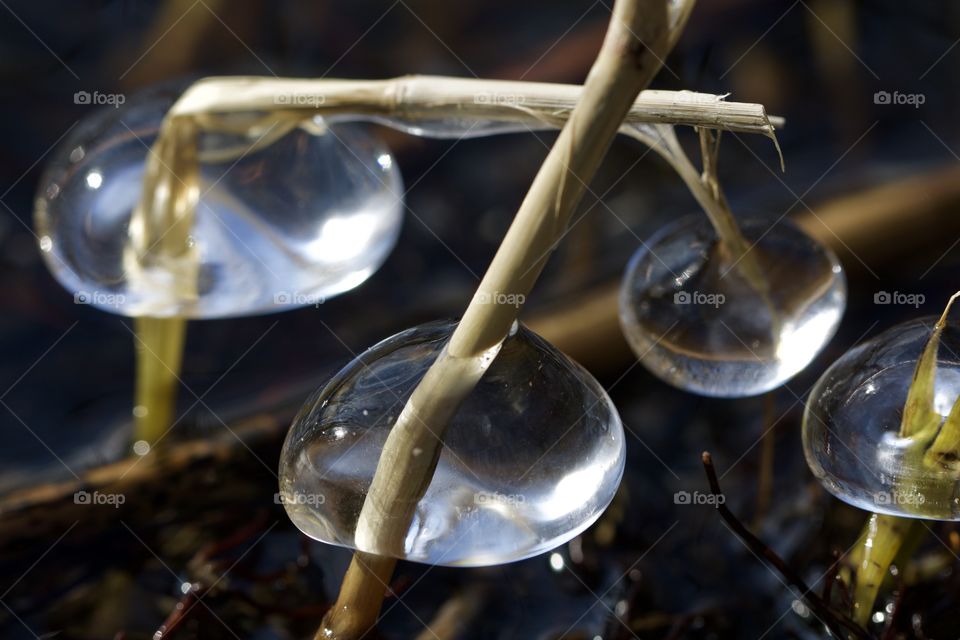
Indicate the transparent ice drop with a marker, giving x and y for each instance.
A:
(531, 459)
(695, 322)
(277, 226)
(852, 435)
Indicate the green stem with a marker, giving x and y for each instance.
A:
(884, 537)
(159, 354)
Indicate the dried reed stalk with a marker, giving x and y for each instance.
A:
(637, 40)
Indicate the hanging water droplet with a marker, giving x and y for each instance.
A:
(697, 323)
(309, 216)
(852, 425)
(523, 469)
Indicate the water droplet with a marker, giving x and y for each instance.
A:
(800, 608)
(307, 217)
(851, 425)
(523, 469)
(46, 243)
(556, 562)
(141, 447)
(695, 321)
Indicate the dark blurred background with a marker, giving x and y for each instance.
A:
(656, 571)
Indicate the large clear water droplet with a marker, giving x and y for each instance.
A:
(695, 321)
(531, 459)
(851, 426)
(289, 224)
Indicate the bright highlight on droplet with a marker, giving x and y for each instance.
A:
(94, 179)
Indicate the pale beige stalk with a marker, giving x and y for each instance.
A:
(412, 99)
(632, 52)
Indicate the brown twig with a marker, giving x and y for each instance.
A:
(833, 620)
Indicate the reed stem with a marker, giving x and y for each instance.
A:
(636, 43)
(159, 355)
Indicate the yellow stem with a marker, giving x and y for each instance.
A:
(883, 538)
(159, 353)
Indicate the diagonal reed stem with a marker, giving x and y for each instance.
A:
(632, 52)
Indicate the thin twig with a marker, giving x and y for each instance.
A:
(834, 621)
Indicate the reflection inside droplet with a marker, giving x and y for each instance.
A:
(695, 321)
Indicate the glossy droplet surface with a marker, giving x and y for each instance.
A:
(697, 323)
(286, 225)
(531, 459)
(851, 426)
